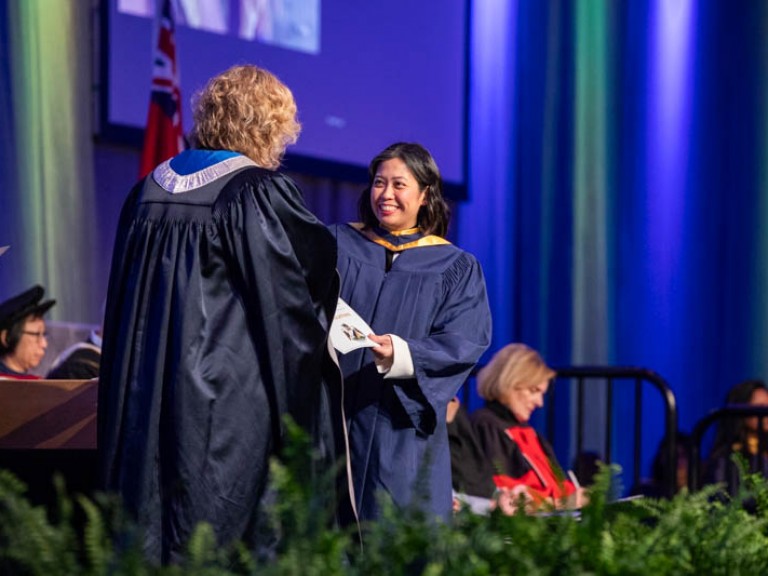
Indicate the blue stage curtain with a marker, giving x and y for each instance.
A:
(618, 188)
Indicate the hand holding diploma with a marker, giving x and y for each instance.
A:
(384, 351)
(348, 330)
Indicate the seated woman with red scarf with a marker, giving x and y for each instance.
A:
(513, 384)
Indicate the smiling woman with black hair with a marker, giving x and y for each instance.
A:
(426, 302)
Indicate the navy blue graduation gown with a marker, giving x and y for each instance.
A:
(434, 298)
(219, 303)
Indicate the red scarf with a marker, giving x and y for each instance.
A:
(541, 479)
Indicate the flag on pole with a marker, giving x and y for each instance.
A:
(164, 135)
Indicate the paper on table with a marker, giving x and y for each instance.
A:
(348, 330)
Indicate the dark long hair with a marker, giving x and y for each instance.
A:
(733, 430)
(434, 216)
(14, 334)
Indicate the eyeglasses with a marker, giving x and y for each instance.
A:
(533, 390)
(38, 335)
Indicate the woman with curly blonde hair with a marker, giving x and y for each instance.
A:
(222, 289)
(247, 110)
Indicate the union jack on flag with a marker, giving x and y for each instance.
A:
(164, 135)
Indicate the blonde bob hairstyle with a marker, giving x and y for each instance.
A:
(514, 366)
(248, 110)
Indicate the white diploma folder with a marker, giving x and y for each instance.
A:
(348, 330)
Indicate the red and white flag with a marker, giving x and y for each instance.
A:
(164, 136)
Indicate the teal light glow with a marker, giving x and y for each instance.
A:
(50, 61)
(590, 186)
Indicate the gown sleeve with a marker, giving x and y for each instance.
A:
(286, 259)
(110, 398)
(314, 246)
(459, 335)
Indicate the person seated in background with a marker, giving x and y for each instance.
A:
(23, 340)
(80, 361)
(739, 435)
(513, 384)
(471, 472)
(654, 487)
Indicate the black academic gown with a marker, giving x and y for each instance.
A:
(220, 298)
(78, 362)
(434, 298)
(471, 470)
(514, 464)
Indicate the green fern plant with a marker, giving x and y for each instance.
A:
(29, 543)
(701, 533)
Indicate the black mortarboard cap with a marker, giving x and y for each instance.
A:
(21, 306)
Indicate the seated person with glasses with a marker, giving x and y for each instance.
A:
(513, 384)
(23, 339)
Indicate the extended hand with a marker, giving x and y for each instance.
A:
(384, 351)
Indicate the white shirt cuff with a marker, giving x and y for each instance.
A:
(402, 363)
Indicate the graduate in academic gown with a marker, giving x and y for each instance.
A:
(426, 302)
(222, 289)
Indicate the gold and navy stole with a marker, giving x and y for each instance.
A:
(399, 240)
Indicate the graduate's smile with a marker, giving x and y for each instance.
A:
(395, 196)
(386, 209)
